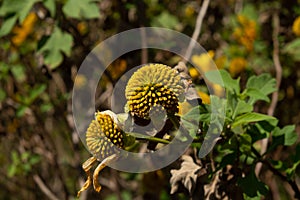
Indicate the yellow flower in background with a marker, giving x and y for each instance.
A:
(220, 62)
(184, 107)
(242, 19)
(205, 97)
(117, 68)
(80, 81)
(203, 61)
(21, 32)
(218, 90)
(194, 73)
(189, 11)
(296, 26)
(246, 32)
(237, 65)
(82, 27)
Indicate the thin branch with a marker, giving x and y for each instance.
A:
(292, 183)
(144, 56)
(154, 139)
(196, 33)
(278, 69)
(37, 179)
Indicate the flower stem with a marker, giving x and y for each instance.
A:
(139, 136)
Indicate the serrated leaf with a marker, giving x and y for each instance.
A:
(166, 20)
(259, 87)
(79, 9)
(17, 7)
(50, 5)
(250, 117)
(7, 25)
(255, 95)
(57, 44)
(223, 78)
(242, 107)
(288, 133)
(293, 49)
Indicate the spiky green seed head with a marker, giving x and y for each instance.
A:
(151, 85)
(104, 136)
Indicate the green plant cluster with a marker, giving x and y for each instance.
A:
(43, 43)
(237, 146)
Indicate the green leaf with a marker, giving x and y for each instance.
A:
(250, 11)
(251, 186)
(259, 87)
(251, 117)
(166, 20)
(18, 72)
(286, 135)
(196, 115)
(291, 171)
(79, 9)
(228, 159)
(293, 49)
(12, 170)
(255, 95)
(245, 143)
(225, 80)
(36, 91)
(257, 131)
(242, 107)
(218, 110)
(50, 5)
(192, 128)
(19, 8)
(2, 94)
(58, 43)
(7, 25)
(21, 110)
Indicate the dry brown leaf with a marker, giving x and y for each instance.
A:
(186, 175)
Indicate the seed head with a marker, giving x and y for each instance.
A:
(104, 136)
(151, 85)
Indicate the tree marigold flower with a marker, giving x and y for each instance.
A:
(204, 60)
(246, 32)
(237, 65)
(151, 85)
(21, 32)
(296, 26)
(103, 135)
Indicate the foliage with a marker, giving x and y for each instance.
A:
(243, 127)
(43, 43)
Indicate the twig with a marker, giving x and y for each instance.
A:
(154, 139)
(144, 56)
(292, 183)
(196, 33)
(37, 179)
(278, 69)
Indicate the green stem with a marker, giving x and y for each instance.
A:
(139, 136)
(155, 139)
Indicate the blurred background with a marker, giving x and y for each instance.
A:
(43, 43)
